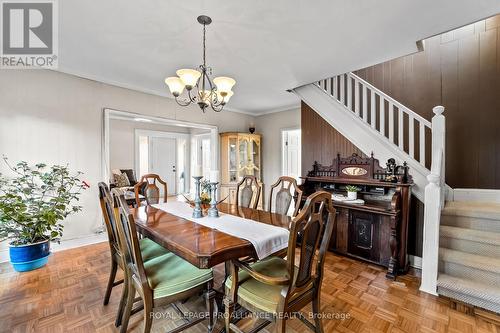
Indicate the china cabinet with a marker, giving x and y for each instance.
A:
(240, 156)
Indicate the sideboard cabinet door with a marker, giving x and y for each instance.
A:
(364, 235)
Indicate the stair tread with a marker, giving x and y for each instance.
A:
(471, 288)
(476, 261)
(486, 237)
(485, 210)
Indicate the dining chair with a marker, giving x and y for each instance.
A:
(164, 280)
(277, 287)
(282, 193)
(148, 248)
(248, 192)
(148, 185)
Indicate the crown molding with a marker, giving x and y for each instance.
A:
(278, 109)
(102, 80)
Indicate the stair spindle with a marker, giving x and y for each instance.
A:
(342, 89)
(349, 93)
(411, 136)
(356, 97)
(335, 88)
(391, 125)
(373, 114)
(422, 144)
(400, 129)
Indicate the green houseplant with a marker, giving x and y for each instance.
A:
(352, 191)
(33, 204)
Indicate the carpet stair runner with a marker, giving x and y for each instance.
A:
(469, 254)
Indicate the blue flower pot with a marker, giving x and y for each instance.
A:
(29, 257)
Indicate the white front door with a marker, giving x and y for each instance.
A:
(162, 161)
(291, 153)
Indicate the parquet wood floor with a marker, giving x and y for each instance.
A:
(66, 296)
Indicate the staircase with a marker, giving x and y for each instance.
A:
(374, 122)
(469, 254)
(461, 250)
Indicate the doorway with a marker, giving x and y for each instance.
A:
(163, 160)
(164, 154)
(162, 146)
(291, 152)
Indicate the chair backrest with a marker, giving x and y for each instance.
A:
(108, 206)
(248, 192)
(315, 233)
(129, 244)
(282, 195)
(148, 185)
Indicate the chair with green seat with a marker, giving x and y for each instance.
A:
(277, 287)
(161, 281)
(149, 248)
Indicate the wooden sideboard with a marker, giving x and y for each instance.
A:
(376, 231)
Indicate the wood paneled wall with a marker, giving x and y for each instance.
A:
(461, 71)
(320, 141)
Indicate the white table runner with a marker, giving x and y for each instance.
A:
(266, 239)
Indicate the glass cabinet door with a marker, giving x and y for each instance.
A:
(243, 152)
(233, 160)
(255, 160)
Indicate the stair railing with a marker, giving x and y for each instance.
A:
(434, 201)
(401, 126)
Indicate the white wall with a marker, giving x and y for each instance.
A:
(270, 126)
(52, 117)
(121, 140)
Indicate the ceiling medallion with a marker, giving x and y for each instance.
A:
(215, 94)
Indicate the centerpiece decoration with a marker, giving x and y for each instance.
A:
(33, 204)
(205, 199)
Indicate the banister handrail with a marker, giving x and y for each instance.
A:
(392, 100)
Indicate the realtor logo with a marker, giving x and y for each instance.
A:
(29, 34)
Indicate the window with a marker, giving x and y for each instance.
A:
(291, 154)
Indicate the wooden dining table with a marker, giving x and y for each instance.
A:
(202, 246)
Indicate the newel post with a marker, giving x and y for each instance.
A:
(439, 144)
(434, 201)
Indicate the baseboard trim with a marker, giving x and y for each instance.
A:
(415, 262)
(65, 244)
(476, 194)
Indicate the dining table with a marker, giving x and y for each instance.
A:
(202, 246)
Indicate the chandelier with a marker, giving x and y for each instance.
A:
(206, 93)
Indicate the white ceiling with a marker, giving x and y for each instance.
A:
(267, 46)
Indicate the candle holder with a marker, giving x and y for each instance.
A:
(213, 211)
(197, 212)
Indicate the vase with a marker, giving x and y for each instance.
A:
(352, 195)
(30, 256)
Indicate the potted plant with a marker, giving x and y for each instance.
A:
(352, 192)
(33, 204)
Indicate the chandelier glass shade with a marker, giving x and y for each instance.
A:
(209, 93)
